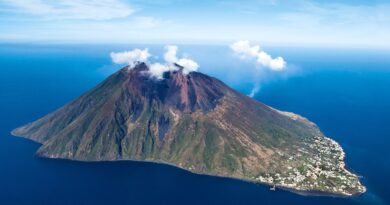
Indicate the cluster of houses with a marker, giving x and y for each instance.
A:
(320, 169)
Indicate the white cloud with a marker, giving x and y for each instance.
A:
(170, 54)
(156, 70)
(171, 58)
(188, 65)
(130, 57)
(72, 9)
(245, 50)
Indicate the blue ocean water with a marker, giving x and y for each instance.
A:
(345, 92)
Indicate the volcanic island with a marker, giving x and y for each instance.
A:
(197, 123)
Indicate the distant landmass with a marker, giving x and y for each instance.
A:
(197, 123)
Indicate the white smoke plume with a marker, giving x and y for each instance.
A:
(188, 65)
(263, 60)
(156, 70)
(254, 90)
(170, 56)
(245, 50)
(130, 57)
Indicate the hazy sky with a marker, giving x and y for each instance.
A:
(348, 23)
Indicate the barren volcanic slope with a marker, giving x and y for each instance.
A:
(197, 123)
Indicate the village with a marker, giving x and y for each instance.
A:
(324, 172)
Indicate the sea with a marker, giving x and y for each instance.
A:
(346, 92)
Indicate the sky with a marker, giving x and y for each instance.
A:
(326, 23)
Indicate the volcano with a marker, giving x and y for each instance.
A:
(195, 122)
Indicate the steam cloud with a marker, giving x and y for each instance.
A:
(156, 70)
(245, 50)
(130, 57)
(264, 61)
(170, 57)
(254, 90)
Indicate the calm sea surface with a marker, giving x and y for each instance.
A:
(345, 92)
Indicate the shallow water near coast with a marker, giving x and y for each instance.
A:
(345, 92)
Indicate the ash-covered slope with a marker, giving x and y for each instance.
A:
(197, 123)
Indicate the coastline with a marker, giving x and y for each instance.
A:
(307, 193)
